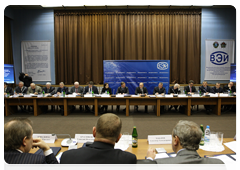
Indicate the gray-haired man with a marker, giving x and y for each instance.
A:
(186, 136)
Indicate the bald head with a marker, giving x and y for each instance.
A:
(109, 127)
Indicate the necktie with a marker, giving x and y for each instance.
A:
(142, 91)
(47, 90)
(190, 89)
(76, 90)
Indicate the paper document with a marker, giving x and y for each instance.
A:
(232, 145)
(182, 95)
(225, 159)
(118, 95)
(161, 155)
(167, 95)
(58, 157)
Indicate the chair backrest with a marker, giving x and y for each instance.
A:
(146, 165)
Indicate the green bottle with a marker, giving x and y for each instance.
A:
(202, 139)
(43, 93)
(63, 93)
(8, 94)
(231, 92)
(92, 93)
(108, 92)
(134, 137)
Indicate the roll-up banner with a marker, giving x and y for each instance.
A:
(36, 59)
(133, 72)
(219, 56)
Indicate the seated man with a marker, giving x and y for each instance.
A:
(123, 89)
(205, 89)
(217, 89)
(33, 89)
(49, 90)
(7, 89)
(21, 90)
(186, 137)
(190, 89)
(229, 87)
(174, 90)
(78, 90)
(162, 91)
(60, 90)
(141, 90)
(89, 90)
(18, 141)
(159, 89)
(106, 133)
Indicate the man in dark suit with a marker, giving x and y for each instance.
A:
(21, 89)
(78, 90)
(18, 141)
(205, 89)
(186, 137)
(60, 90)
(107, 132)
(217, 89)
(174, 90)
(143, 91)
(7, 89)
(123, 89)
(89, 90)
(48, 90)
(190, 89)
(159, 89)
(229, 87)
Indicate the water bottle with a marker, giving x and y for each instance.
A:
(8, 94)
(228, 92)
(207, 135)
(199, 92)
(43, 93)
(105, 91)
(63, 93)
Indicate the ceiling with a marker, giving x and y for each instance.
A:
(117, 7)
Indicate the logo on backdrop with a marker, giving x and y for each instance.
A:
(223, 45)
(215, 44)
(162, 65)
(219, 58)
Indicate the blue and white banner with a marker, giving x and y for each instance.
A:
(219, 56)
(36, 59)
(133, 72)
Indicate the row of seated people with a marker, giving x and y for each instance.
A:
(123, 89)
(18, 141)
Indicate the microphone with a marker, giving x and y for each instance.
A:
(68, 141)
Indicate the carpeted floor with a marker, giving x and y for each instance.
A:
(146, 123)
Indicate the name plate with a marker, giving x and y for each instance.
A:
(159, 139)
(82, 138)
(223, 95)
(48, 138)
(168, 95)
(119, 95)
(88, 95)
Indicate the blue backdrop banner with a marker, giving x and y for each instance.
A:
(133, 72)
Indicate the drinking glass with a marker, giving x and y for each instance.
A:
(219, 138)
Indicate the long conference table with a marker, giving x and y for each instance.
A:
(143, 146)
(11, 103)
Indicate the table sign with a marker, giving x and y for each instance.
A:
(182, 95)
(82, 138)
(118, 95)
(213, 95)
(159, 95)
(223, 95)
(159, 139)
(48, 138)
(88, 95)
(168, 95)
(195, 95)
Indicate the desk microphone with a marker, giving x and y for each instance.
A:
(68, 141)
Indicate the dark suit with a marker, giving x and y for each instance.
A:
(51, 90)
(27, 80)
(187, 89)
(23, 90)
(226, 88)
(122, 90)
(174, 91)
(204, 90)
(73, 89)
(16, 157)
(141, 91)
(95, 91)
(215, 90)
(188, 157)
(59, 89)
(98, 153)
(158, 90)
(8, 90)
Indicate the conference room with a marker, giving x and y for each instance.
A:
(143, 72)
